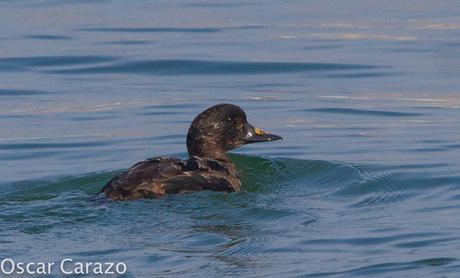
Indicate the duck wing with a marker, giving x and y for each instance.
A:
(161, 176)
(132, 184)
(203, 174)
(196, 181)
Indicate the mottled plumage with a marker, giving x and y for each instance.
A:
(212, 133)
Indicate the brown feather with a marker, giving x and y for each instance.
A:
(160, 176)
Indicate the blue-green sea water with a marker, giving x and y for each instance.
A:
(365, 93)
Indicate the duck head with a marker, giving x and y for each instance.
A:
(221, 128)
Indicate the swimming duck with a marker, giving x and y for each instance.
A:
(213, 132)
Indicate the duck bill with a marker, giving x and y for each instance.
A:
(256, 135)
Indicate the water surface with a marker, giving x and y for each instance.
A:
(365, 95)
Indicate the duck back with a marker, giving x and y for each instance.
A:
(159, 176)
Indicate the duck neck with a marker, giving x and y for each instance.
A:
(203, 145)
(208, 153)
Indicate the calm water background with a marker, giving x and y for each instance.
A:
(365, 93)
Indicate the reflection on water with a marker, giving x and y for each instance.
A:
(366, 97)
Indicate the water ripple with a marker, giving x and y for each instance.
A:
(269, 219)
(15, 92)
(201, 67)
(371, 241)
(387, 267)
(47, 37)
(152, 30)
(169, 29)
(362, 75)
(25, 63)
(352, 111)
(27, 146)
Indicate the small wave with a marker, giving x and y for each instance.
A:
(352, 111)
(151, 30)
(201, 67)
(386, 268)
(372, 241)
(426, 243)
(168, 29)
(15, 92)
(26, 63)
(92, 118)
(216, 5)
(27, 146)
(48, 37)
(177, 106)
(31, 190)
(354, 186)
(376, 188)
(128, 42)
(169, 109)
(93, 64)
(288, 208)
(452, 146)
(362, 75)
(322, 47)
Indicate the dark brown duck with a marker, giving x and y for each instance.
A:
(212, 133)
